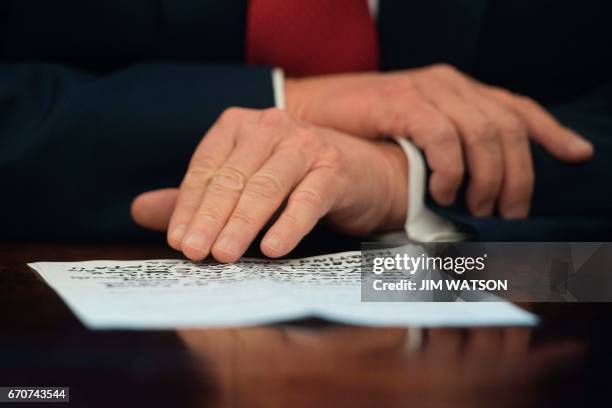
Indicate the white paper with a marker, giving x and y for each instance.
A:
(165, 294)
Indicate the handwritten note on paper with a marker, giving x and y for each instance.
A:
(159, 294)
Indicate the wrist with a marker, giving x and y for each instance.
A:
(292, 92)
(396, 175)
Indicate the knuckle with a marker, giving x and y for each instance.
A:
(228, 178)
(438, 131)
(444, 68)
(527, 102)
(198, 176)
(513, 126)
(333, 159)
(265, 186)
(485, 129)
(499, 91)
(513, 131)
(488, 184)
(522, 184)
(425, 78)
(483, 133)
(334, 154)
(309, 198)
(204, 164)
(515, 138)
(184, 211)
(191, 182)
(454, 174)
(244, 218)
(209, 217)
(294, 220)
(394, 119)
(303, 137)
(230, 114)
(395, 89)
(272, 117)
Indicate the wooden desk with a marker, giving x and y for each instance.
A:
(564, 362)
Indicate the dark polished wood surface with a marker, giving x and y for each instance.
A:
(563, 362)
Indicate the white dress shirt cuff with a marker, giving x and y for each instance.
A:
(422, 224)
(278, 88)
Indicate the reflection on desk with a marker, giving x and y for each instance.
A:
(563, 362)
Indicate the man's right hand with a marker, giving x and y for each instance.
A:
(462, 125)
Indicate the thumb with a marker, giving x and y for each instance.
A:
(153, 209)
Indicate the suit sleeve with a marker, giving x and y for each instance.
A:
(76, 148)
(571, 201)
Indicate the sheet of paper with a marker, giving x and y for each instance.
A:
(161, 294)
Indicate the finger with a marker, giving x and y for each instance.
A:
(414, 117)
(264, 194)
(560, 141)
(515, 342)
(481, 143)
(483, 344)
(212, 151)
(518, 176)
(153, 209)
(552, 356)
(308, 203)
(430, 130)
(443, 343)
(225, 188)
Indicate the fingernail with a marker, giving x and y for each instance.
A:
(178, 232)
(196, 240)
(227, 245)
(273, 242)
(483, 209)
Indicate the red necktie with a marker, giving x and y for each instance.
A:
(312, 37)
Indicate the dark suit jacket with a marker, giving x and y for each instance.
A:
(101, 100)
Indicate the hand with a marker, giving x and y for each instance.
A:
(451, 368)
(250, 162)
(447, 114)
